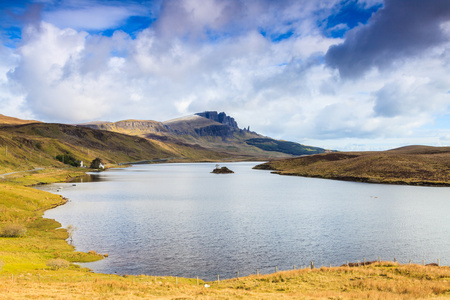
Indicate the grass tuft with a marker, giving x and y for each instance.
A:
(58, 263)
(13, 230)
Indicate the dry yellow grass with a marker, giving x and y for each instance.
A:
(14, 121)
(379, 281)
(415, 165)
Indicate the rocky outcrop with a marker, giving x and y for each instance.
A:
(223, 170)
(215, 130)
(219, 118)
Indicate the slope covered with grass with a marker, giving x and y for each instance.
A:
(415, 165)
(29, 146)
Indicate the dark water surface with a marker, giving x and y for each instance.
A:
(181, 220)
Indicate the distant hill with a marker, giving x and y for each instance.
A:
(210, 130)
(208, 136)
(414, 165)
(14, 121)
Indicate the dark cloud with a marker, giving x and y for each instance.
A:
(403, 28)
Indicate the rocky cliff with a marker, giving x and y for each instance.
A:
(219, 118)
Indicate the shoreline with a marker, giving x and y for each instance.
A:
(365, 180)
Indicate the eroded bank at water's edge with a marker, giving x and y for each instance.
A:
(414, 165)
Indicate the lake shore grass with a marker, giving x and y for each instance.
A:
(385, 280)
(28, 266)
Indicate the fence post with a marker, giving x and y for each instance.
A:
(257, 272)
(347, 263)
(312, 265)
(276, 269)
(439, 263)
(294, 267)
(379, 259)
(237, 275)
(395, 260)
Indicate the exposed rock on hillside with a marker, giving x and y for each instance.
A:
(219, 118)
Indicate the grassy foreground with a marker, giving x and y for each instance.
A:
(25, 271)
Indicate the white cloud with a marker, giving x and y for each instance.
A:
(282, 89)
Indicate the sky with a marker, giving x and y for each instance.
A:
(339, 74)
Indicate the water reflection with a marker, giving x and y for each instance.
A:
(89, 177)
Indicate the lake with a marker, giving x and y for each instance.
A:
(181, 220)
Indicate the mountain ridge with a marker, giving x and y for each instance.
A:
(212, 130)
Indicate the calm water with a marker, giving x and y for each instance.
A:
(181, 220)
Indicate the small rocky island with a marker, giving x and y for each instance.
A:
(223, 170)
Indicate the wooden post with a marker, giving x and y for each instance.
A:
(439, 263)
(237, 276)
(312, 265)
(409, 261)
(364, 261)
(218, 279)
(395, 260)
(276, 269)
(294, 267)
(330, 265)
(379, 259)
(257, 272)
(347, 263)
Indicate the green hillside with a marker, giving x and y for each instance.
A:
(296, 149)
(29, 146)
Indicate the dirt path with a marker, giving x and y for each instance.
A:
(36, 169)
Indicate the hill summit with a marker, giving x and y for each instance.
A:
(219, 118)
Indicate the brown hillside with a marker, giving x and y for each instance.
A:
(415, 165)
(14, 121)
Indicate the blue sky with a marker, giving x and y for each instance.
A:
(341, 74)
